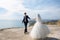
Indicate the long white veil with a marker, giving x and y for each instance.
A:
(38, 19)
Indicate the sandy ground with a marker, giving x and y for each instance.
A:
(18, 34)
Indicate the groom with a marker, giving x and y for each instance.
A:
(25, 21)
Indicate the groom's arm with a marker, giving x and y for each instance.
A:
(28, 17)
(23, 20)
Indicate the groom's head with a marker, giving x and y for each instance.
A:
(25, 13)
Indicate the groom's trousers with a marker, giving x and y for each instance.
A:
(25, 27)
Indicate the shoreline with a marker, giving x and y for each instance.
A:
(22, 27)
(11, 28)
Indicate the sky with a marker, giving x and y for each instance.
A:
(14, 9)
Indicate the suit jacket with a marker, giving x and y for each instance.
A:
(25, 19)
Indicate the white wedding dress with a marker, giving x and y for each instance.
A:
(39, 30)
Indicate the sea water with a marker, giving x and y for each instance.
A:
(11, 23)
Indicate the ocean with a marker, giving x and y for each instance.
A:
(11, 23)
(17, 23)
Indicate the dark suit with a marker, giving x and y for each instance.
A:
(25, 21)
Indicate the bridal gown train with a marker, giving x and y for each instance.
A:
(39, 30)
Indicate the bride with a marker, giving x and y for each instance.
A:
(39, 30)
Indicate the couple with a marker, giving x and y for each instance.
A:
(39, 30)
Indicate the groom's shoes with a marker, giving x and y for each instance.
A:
(25, 32)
